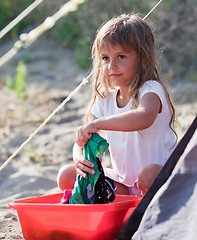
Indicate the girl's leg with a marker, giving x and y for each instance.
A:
(66, 177)
(147, 175)
(121, 189)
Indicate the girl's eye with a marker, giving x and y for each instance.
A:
(105, 58)
(121, 56)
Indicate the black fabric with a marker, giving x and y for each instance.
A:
(132, 224)
(104, 188)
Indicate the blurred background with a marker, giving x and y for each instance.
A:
(173, 22)
(38, 78)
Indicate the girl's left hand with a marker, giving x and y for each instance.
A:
(84, 133)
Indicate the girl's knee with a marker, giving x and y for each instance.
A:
(66, 177)
(147, 175)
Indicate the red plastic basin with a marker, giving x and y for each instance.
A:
(44, 218)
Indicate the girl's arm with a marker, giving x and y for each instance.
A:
(134, 120)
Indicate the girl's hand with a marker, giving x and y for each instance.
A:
(84, 133)
(82, 165)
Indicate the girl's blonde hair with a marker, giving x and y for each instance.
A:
(128, 31)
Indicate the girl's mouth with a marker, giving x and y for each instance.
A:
(114, 75)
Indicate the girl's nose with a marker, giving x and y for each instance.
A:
(112, 64)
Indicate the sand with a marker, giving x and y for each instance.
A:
(52, 75)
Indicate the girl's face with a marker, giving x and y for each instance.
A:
(119, 65)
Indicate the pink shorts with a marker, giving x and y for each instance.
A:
(133, 190)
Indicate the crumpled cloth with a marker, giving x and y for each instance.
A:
(85, 191)
(66, 196)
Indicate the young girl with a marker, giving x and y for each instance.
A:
(131, 104)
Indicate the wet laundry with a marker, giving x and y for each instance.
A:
(96, 188)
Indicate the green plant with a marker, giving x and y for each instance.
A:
(9, 10)
(78, 28)
(67, 32)
(168, 4)
(20, 80)
(26, 56)
(192, 76)
(9, 82)
(19, 83)
(82, 53)
(35, 157)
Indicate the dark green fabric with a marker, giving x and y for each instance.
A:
(95, 145)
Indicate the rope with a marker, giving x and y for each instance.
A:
(157, 4)
(84, 81)
(13, 23)
(26, 39)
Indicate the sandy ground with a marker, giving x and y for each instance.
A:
(52, 75)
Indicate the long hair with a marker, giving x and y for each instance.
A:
(130, 32)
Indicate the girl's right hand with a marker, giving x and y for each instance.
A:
(84, 133)
(83, 166)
